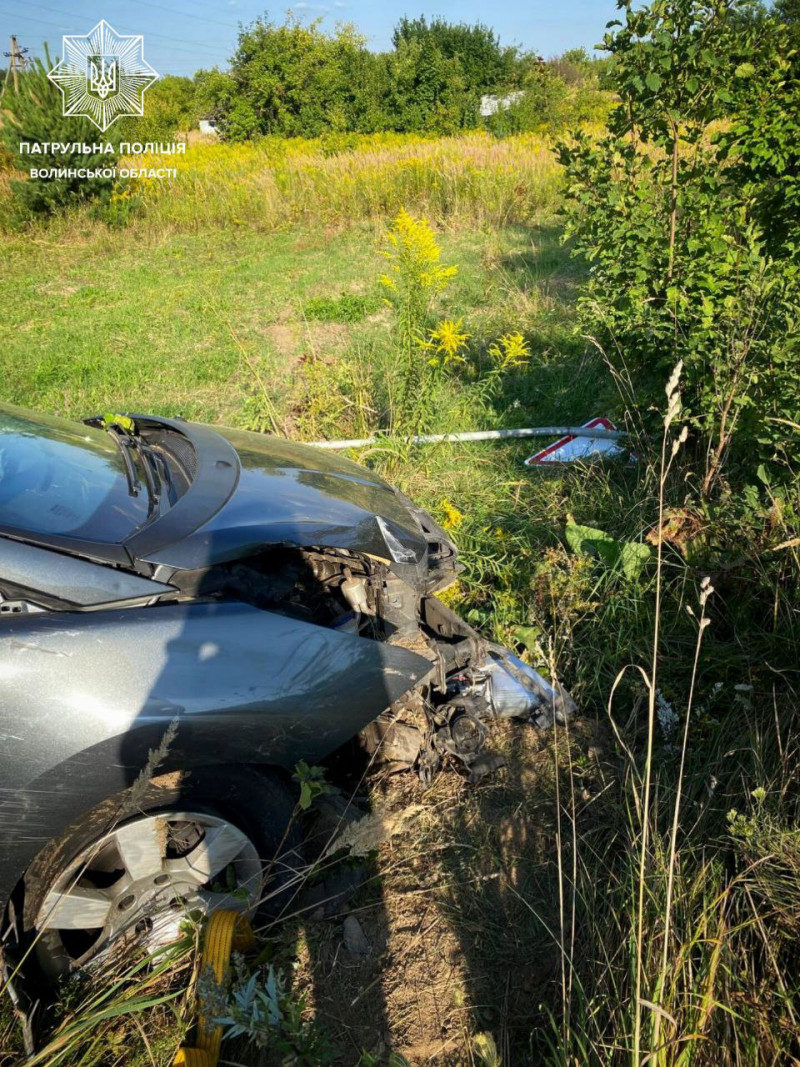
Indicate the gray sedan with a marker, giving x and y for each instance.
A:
(185, 613)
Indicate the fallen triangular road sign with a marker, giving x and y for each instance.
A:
(570, 448)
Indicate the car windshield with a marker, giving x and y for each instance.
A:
(61, 478)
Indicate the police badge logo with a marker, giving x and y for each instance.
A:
(103, 75)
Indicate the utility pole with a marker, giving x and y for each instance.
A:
(16, 58)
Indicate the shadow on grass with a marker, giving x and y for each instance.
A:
(501, 892)
(331, 942)
(544, 262)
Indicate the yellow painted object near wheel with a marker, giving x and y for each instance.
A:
(226, 931)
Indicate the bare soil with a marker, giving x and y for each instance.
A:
(460, 908)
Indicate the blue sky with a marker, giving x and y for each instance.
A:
(182, 35)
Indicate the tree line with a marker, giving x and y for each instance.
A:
(296, 79)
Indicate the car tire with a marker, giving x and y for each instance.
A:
(198, 820)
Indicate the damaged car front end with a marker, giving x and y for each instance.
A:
(223, 606)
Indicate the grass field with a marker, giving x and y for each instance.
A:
(207, 316)
(509, 909)
(346, 178)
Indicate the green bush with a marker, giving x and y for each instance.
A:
(293, 79)
(170, 109)
(691, 234)
(34, 114)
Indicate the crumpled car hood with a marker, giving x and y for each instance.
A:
(303, 496)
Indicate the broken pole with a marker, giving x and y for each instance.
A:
(479, 435)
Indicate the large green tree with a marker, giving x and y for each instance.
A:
(485, 64)
(296, 79)
(788, 12)
(690, 225)
(169, 109)
(428, 91)
(291, 78)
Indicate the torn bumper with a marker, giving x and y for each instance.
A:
(423, 733)
(509, 689)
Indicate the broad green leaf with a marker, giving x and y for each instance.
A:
(528, 636)
(588, 541)
(633, 555)
(630, 556)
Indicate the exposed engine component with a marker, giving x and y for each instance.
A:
(457, 732)
(422, 732)
(354, 590)
(472, 682)
(499, 687)
(400, 606)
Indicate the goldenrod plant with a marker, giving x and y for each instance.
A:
(446, 343)
(415, 276)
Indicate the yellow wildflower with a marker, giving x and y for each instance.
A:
(447, 341)
(510, 351)
(453, 517)
(414, 255)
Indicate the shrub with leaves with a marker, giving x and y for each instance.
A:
(259, 1007)
(312, 784)
(34, 114)
(686, 229)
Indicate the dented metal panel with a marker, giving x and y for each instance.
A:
(292, 494)
(84, 697)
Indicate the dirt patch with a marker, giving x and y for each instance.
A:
(459, 909)
(400, 996)
(54, 289)
(293, 341)
(323, 338)
(283, 337)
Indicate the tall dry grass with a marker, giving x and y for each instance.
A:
(475, 179)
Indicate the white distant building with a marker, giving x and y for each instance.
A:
(208, 126)
(490, 105)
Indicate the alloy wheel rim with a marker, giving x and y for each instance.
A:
(140, 882)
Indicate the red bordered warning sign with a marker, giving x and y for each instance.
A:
(570, 448)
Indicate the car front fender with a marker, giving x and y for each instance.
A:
(85, 697)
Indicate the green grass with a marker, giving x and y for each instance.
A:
(349, 307)
(526, 886)
(188, 324)
(160, 325)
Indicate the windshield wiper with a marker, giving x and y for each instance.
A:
(123, 442)
(125, 434)
(162, 473)
(152, 475)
